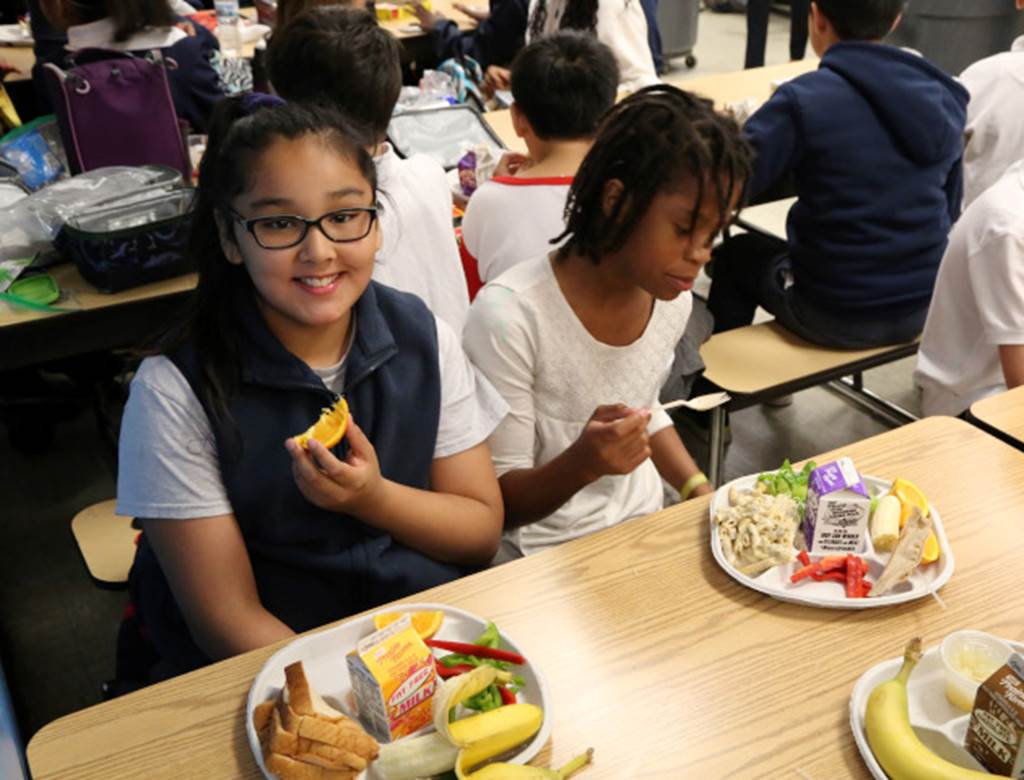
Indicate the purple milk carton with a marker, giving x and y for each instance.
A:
(836, 515)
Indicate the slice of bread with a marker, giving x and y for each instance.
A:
(303, 699)
(261, 715)
(286, 768)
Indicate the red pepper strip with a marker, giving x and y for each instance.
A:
(832, 563)
(865, 589)
(831, 576)
(507, 697)
(444, 672)
(478, 650)
(853, 577)
(804, 558)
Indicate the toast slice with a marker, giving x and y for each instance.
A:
(286, 768)
(344, 734)
(303, 699)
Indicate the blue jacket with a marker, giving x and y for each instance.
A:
(195, 84)
(313, 566)
(873, 139)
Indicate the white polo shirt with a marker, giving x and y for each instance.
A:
(978, 303)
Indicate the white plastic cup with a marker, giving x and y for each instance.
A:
(967, 656)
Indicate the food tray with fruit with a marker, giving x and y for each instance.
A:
(328, 668)
(903, 716)
(759, 536)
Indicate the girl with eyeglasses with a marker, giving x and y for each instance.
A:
(247, 537)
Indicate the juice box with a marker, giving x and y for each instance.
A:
(394, 680)
(995, 735)
(836, 515)
(390, 12)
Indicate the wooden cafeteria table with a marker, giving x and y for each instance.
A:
(653, 655)
(1002, 415)
(100, 321)
(754, 84)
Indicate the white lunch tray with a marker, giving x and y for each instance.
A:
(775, 582)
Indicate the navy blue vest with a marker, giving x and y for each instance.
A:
(313, 566)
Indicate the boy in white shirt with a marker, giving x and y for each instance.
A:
(342, 57)
(562, 85)
(973, 342)
(995, 132)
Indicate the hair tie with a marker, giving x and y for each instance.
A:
(254, 101)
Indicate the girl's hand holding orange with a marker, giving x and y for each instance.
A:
(614, 441)
(350, 485)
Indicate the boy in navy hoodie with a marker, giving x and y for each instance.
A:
(873, 140)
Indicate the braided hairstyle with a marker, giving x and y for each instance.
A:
(578, 15)
(651, 142)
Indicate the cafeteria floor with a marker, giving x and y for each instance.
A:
(57, 629)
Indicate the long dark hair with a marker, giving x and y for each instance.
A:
(652, 141)
(240, 129)
(128, 16)
(578, 15)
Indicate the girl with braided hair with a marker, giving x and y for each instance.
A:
(579, 342)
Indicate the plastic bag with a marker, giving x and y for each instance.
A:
(30, 224)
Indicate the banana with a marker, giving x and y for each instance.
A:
(521, 772)
(508, 725)
(885, 523)
(893, 741)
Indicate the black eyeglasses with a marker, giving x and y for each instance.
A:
(286, 230)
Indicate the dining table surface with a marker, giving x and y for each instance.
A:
(1004, 413)
(654, 655)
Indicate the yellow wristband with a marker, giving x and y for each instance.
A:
(692, 484)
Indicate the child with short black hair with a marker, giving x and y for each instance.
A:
(873, 140)
(247, 536)
(580, 342)
(563, 84)
(342, 57)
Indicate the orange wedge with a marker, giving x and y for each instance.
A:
(910, 496)
(329, 429)
(426, 623)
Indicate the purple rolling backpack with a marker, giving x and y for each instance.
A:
(115, 108)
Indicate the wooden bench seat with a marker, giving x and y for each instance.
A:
(760, 362)
(106, 542)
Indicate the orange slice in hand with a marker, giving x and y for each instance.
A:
(426, 623)
(329, 429)
(910, 496)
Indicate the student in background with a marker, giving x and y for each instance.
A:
(247, 537)
(973, 342)
(995, 130)
(498, 35)
(758, 12)
(563, 84)
(138, 27)
(341, 57)
(619, 24)
(580, 342)
(873, 139)
(289, 9)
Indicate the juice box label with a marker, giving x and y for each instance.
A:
(995, 735)
(394, 680)
(836, 514)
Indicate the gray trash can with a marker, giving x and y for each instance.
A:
(955, 33)
(677, 21)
